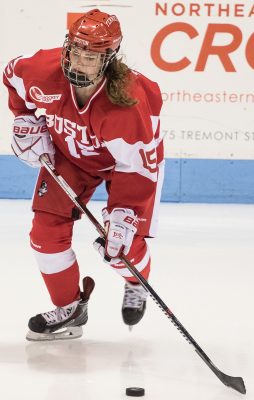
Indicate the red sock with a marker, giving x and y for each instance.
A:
(63, 286)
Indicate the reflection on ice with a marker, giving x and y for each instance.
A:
(202, 267)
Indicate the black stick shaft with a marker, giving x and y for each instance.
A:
(234, 382)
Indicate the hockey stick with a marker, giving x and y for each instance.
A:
(236, 383)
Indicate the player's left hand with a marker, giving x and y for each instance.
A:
(121, 225)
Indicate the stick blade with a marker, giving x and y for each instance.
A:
(235, 382)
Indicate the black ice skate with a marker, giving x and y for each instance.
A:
(134, 303)
(63, 322)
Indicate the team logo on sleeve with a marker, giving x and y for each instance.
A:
(38, 95)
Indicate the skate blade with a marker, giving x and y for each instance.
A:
(130, 328)
(71, 332)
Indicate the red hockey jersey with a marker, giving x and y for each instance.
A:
(100, 137)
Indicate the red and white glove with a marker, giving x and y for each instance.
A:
(31, 139)
(121, 225)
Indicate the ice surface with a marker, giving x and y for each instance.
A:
(203, 269)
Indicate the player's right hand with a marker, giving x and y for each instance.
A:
(31, 139)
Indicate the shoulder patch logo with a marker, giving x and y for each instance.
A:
(38, 95)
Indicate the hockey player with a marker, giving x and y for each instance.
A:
(100, 123)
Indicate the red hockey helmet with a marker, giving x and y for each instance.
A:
(97, 32)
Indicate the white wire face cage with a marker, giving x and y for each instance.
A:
(74, 59)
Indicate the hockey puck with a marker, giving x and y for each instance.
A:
(135, 391)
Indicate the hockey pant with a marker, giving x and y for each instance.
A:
(51, 240)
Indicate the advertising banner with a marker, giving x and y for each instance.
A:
(200, 52)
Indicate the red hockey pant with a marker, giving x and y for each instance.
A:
(51, 240)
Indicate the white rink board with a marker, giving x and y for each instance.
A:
(207, 114)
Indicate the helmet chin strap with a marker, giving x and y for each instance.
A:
(86, 83)
(80, 80)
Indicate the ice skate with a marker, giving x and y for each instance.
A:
(63, 322)
(134, 303)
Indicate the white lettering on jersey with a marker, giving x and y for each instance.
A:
(69, 128)
(83, 130)
(85, 146)
(58, 124)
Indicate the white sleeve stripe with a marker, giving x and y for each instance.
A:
(155, 121)
(56, 262)
(18, 84)
(128, 158)
(155, 215)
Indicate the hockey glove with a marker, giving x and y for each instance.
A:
(31, 139)
(121, 225)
